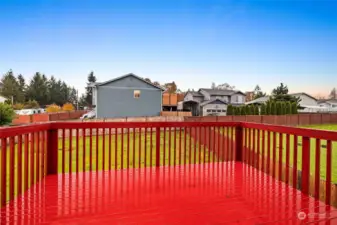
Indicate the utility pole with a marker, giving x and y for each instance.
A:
(77, 99)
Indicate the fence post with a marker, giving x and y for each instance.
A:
(52, 148)
(305, 164)
(158, 146)
(238, 142)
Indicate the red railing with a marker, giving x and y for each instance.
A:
(104, 146)
(23, 159)
(28, 153)
(300, 157)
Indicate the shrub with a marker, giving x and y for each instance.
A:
(32, 105)
(278, 108)
(268, 108)
(243, 110)
(18, 106)
(68, 107)
(294, 108)
(256, 110)
(252, 109)
(7, 114)
(263, 109)
(288, 108)
(283, 108)
(273, 108)
(53, 108)
(230, 110)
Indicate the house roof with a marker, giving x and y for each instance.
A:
(303, 93)
(124, 76)
(260, 100)
(220, 92)
(211, 101)
(329, 101)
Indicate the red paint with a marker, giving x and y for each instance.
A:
(182, 195)
(287, 158)
(64, 151)
(96, 149)
(90, 149)
(317, 167)
(111, 147)
(328, 172)
(19, 164)
(158, 147)
(77, 151)
(263, 167)
(70, 150)
(11, 168)
(3, 171)
(306, 164)
(295, 162)
(274, 155)
(32, 163)
(26, 161)
(204, 134)
(280, 151)
(116, 149)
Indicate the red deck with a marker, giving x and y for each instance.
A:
(217, 193)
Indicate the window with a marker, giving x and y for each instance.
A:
(223, 110)
(208, 110)
(213, 110)
(136, 94)
(236, 98)
(219, 110)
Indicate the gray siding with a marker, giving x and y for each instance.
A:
(116, 99)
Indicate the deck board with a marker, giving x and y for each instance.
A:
(217, 193)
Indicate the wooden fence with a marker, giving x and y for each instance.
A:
(288, 120)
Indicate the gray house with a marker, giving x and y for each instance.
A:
(211, 101)
(126, 96)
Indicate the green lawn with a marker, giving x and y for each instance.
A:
(312, 151)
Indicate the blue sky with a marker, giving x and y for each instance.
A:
(194, 43)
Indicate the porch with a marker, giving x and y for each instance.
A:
(166, 173)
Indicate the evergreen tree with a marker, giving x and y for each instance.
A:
(92, 79)
(283, 108)
(273, 110)
(256, 110)
(263, 109)
(278, 108)
(288, 108)
(229, 110)
(294, 108)
(268, 108)
(10, 89)
(247, 109)
(243, 110)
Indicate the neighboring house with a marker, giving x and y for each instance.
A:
(307, 102)
(2, 99)
(329, 104)
(249, 96)
(170, 101)
(126, 96)
(211, 101)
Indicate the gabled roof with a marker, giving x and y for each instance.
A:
(302, 93)
(122, 77)
(211, 101)
(219, 92)
(260, 100)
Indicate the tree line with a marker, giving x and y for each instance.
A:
(42, 91)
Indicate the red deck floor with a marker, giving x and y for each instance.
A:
(222, 193)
